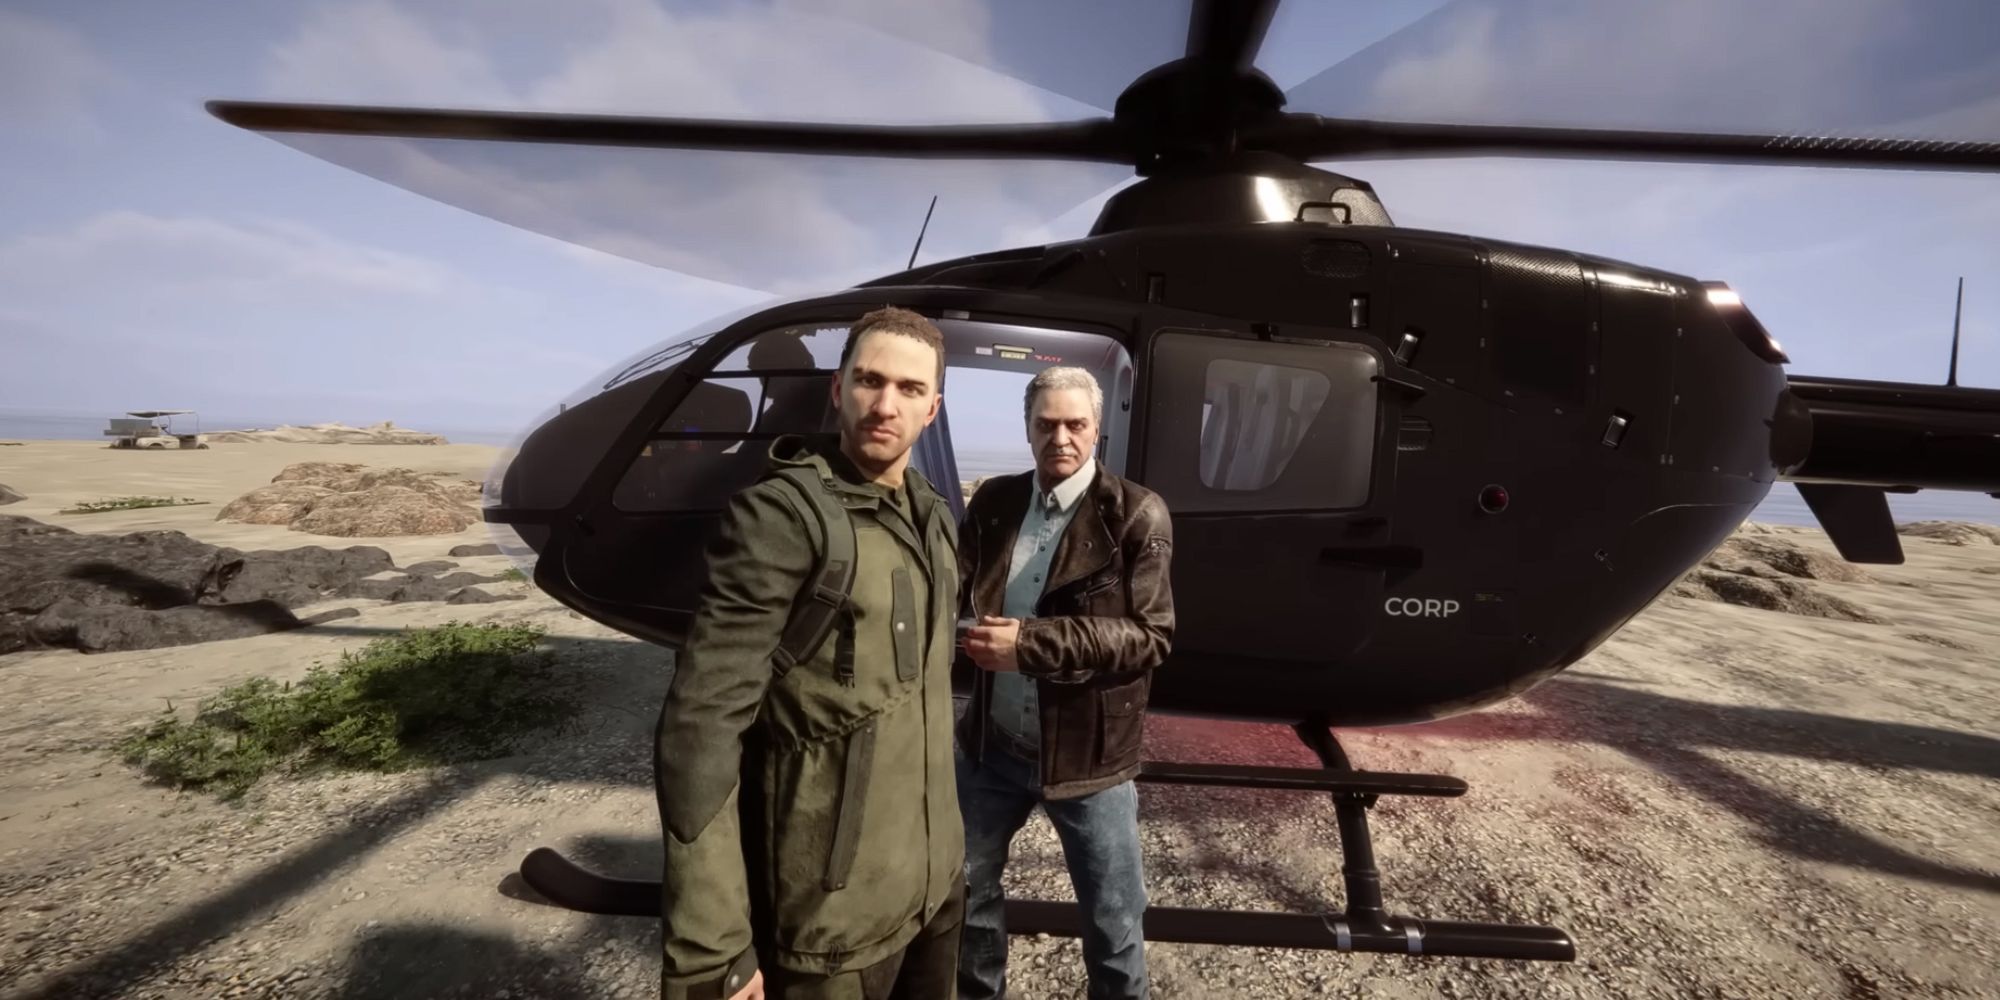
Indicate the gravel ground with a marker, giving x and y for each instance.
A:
(1720, 802)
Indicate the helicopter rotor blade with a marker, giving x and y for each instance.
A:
(1092, 139)
(1777, 67)
(1227, 34)
(1314, 138)
(779, 223)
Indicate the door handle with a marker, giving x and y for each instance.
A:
(1385, 557)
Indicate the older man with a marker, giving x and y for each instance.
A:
(1066, 570)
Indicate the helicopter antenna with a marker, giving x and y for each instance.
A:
(1952, 379)
(927, 225)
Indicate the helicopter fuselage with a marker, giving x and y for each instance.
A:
(1494, 455)
(1553, 440)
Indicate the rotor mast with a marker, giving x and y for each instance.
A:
(1184, 120)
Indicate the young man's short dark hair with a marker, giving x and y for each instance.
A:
(896, 319)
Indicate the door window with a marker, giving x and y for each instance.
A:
(1249, 425)
(1254, 417)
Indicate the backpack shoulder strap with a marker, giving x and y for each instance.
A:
(824, 601)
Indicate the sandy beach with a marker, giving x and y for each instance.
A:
(54, 475)
(1722, 801)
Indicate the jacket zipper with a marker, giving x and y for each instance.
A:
(982, 689)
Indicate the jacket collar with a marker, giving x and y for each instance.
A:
(822, 453)
(1085, 546)
(1069, 491)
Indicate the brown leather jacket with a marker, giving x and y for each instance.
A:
(1105, 620)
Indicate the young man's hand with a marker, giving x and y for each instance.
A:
(752, 990)
(992, 643)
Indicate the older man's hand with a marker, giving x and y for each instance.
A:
(993, 642)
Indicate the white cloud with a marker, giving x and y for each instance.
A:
(376, 52)
(256, 309)
(131, 254)
(49, 75)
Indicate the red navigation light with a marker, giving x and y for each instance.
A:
(1493, 499)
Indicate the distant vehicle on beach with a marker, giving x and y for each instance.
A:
(152, 429)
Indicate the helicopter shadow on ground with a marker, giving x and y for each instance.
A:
(117, 970)
(1669, 734)
(596, 957)
(615, 675)
(391, 962)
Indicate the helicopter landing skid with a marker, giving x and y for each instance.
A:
(1366, 925)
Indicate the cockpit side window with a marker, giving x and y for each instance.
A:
(779, 382)
(715, 440)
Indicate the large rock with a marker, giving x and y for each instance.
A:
(1773, 557)
(383, 511)
(1770, 572)
(353, 501)
(278, 503)
(107, 629)
(1952, 532)
(385, 432)
(8, 496)
(147, 589)
(146, 569)
(347, 477)
(295, 577)
(1791, 597)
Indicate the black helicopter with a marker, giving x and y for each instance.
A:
(1477, 460)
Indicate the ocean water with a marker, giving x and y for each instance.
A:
(1782, 506)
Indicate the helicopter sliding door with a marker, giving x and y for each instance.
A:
(1265, 453)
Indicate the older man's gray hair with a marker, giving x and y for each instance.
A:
(1064, 378)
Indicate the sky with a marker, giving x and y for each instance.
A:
(153, 256)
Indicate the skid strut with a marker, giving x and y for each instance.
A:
(1365, 925)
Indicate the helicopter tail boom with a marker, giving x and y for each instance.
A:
(1900, 436)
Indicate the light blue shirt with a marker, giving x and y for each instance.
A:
(1016, 710)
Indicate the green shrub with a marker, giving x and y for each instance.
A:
(431, 696)
(128, 503)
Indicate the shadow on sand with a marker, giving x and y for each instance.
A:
(616, 675)
(624, 681)
(432, 960)
(598, 956)
(1670, 735)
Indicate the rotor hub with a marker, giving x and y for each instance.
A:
(1190, 110)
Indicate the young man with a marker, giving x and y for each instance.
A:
(813, 840)
(1066, 568)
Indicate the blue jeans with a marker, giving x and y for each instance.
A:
(1100, 839)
